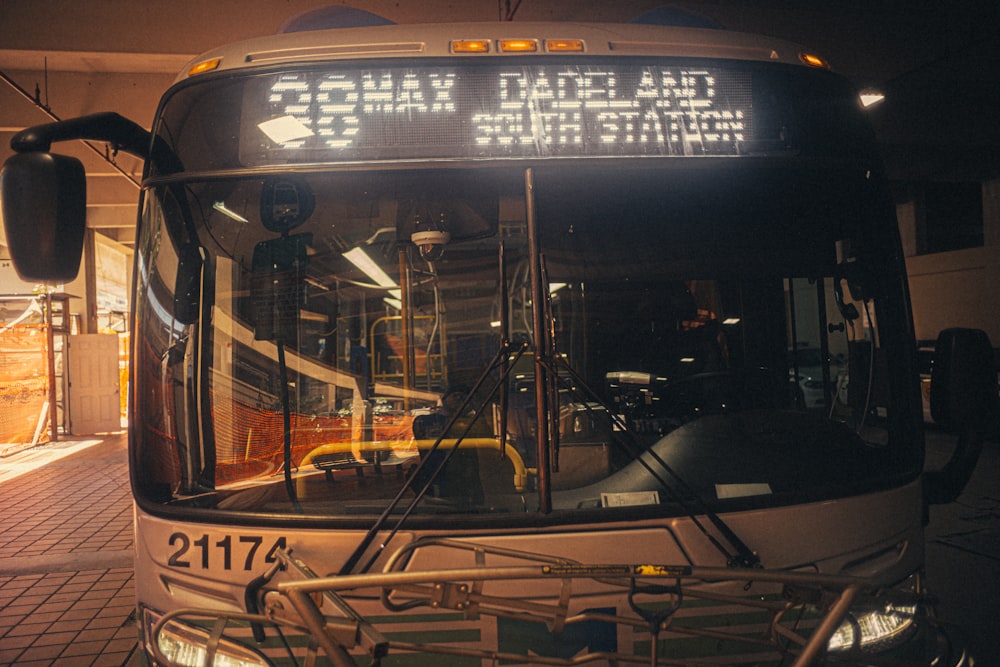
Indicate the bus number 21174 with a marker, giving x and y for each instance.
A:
(206, 553)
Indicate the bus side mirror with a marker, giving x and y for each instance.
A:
(963, 379)
(45, 215)
(963, 400)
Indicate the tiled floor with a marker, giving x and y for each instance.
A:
(66, 591)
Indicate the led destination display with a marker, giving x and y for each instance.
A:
(536, 110)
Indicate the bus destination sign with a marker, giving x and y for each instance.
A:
(512, 111)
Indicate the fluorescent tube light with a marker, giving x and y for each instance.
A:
(359, 258)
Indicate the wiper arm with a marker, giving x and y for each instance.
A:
(744, 556)
(383, 518)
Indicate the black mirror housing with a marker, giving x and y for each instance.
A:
(963, 379)
(44, 199)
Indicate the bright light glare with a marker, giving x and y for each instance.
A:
(185, 645)
(876, 627)
(284, 129)
(870, 97)
(359, 258)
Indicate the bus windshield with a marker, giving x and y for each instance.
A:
(485, 340)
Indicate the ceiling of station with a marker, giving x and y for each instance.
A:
(937, 63)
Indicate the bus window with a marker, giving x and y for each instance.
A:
(673, 319)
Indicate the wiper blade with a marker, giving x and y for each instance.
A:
(417, 471)
(744, 557)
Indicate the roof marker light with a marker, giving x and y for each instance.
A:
(813, 60)
(524, 45)
(563, 45)
(470, 46)
(204, 66)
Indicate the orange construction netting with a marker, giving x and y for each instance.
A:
(249, 440)
(247, 434)
(24, 379)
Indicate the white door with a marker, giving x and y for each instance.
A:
(94, 399)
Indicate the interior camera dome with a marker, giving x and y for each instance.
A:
(430, 243)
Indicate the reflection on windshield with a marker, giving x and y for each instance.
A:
(349, 345)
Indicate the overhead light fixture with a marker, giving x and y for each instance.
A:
(871, 97)
(359, 258)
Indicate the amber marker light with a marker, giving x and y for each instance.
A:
(563, 45)
(813, 60)
(205, 66)
(522, 45)
(470, 46)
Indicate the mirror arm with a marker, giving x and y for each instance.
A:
(945, 485)
(113, 128)
(109, 127)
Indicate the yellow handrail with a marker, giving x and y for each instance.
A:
(520, 470)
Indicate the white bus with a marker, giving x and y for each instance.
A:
(469, 344)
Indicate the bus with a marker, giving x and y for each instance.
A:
(483, 343)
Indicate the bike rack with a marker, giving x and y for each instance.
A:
(804, 609)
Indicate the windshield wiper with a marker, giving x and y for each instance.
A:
(418, 470)
(744, 556)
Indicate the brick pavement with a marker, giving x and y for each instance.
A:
(66, 550)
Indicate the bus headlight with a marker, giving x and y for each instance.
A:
(874, 629)
(187, 646)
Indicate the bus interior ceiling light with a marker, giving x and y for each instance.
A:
(359, 258)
